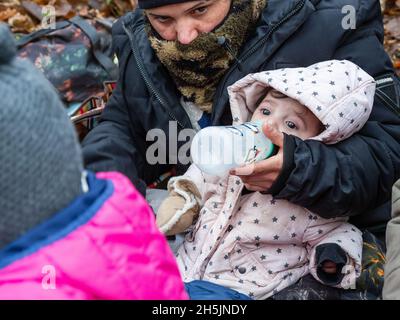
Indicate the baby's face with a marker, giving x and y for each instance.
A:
(287, 115)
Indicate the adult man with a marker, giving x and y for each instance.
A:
(178, 57)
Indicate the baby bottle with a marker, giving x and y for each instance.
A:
(217, 149)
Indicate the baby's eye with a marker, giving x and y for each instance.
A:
(291, 125)
(265, 112)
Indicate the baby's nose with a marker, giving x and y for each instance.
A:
(272, 124)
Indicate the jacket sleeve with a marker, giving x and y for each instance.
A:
(110, 145)
(355, 175)
(337, 241)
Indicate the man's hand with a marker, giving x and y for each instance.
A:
(261, 175)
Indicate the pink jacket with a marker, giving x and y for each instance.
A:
(258, 245)
(105, 245)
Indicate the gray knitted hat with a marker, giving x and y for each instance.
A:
(40, 158)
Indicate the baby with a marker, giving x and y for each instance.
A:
(249, 241)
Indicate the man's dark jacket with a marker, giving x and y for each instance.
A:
(352, 178)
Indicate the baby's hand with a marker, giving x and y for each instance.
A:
(329, 267)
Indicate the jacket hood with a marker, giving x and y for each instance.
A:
(339, 93)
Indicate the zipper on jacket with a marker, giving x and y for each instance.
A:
(228, 228)
(262, 41)
(256, 46)
(146, 79)
(223, 42)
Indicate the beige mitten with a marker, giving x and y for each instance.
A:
(178, 211)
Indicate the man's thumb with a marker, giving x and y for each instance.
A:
(273, 134)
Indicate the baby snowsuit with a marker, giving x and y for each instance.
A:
(254, 243)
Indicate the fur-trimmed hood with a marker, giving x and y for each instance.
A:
(339, 93)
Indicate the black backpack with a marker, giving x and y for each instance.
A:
(76, 57)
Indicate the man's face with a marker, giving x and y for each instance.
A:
(287, 115)
(183, 22)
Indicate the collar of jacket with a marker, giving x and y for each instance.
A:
(285, 16)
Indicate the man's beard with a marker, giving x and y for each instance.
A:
(197, 68)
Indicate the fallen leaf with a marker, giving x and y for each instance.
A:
(33, 9)
(393, 27)
(63, 8)
(21, 23)
(6, 14)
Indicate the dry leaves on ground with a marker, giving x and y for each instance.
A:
(391, 22)
(25, 16)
